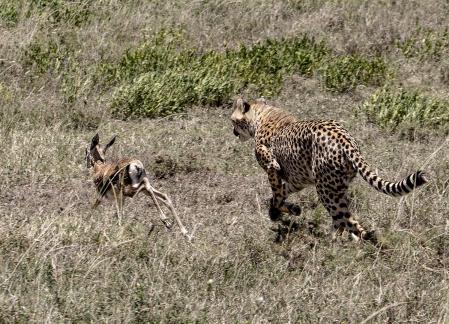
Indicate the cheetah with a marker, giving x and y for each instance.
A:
(296, 154)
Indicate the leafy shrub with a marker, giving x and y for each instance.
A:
(169, 76)
(153, 94)
(424, 44)
(72, 13)
(44, 57)
(406, 109)
(9, 13)
(167, 50)
(343, 73)
(164, 76)
(57, 58)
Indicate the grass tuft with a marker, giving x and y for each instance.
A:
(9, 13)
(425, 43)
(74, 13)
(344, 73)
(409, 109)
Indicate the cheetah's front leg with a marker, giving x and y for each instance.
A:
(271, 166)
(278, 204)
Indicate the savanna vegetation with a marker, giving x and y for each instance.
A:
(162, 75)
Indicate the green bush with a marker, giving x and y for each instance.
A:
(408, 109)
(167, 50)
(72, 13)
(343, 73)
(44, 57)
(164, 76)
(153, 94)
(9, 13)
(58, 59)
(424, 44)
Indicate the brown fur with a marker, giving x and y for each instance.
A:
(124, 178)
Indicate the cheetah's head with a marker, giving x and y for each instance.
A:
(243, 118)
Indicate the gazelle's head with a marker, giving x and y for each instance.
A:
(97, 152)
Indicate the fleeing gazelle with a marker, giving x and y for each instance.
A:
(124, 178)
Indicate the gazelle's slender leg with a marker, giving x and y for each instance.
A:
(150, 192)
(154, 196)
(167, 202)
(96, 203)
(121, 197)
(117, 193)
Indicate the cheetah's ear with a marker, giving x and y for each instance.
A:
(242, 105)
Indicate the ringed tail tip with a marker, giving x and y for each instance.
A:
(421, 178)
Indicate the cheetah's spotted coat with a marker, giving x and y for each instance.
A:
(296, 154)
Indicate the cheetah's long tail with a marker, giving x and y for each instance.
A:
(395, 189)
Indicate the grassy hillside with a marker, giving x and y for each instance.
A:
(162, 75)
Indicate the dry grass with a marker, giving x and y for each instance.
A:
(60, 261)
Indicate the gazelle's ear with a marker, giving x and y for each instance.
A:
(95, 141)
(242, 105)
(110, 143)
